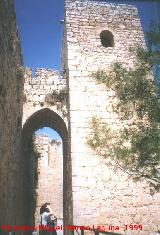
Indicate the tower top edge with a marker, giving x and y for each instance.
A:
(102, 3)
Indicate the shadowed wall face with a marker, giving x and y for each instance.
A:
(11, 91)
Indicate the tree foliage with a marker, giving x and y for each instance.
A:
(136, 147)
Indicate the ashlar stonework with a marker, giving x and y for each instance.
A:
(101, 195)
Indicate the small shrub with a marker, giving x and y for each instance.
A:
(24, 98)
(56, 96)
(41, 104)
(49, 99)
(20, 72)
(62, 95)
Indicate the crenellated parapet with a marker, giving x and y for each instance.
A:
(46, 89)
(45, 79)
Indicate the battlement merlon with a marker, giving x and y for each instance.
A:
(43, 77)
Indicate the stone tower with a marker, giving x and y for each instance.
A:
(96, 34)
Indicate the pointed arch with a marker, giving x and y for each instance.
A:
(48, 118)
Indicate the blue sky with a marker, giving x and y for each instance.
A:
(41, 32)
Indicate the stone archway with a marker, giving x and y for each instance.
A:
(42, 118)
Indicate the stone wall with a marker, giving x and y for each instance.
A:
(41, 91)
(49, 187)
(44, 105)
(11, 89)
(101, 196)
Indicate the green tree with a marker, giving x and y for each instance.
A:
(135, 148)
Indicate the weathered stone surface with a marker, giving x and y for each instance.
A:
(11, 90)
(45, 105)
(101, 195)
(38, 92)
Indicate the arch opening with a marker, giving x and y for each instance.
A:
(40, 119)
(47, 177)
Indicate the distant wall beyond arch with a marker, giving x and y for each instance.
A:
(48, 175)
(42, 118)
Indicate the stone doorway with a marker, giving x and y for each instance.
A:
(44, 118)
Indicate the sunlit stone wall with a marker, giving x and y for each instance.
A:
(101, 195)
